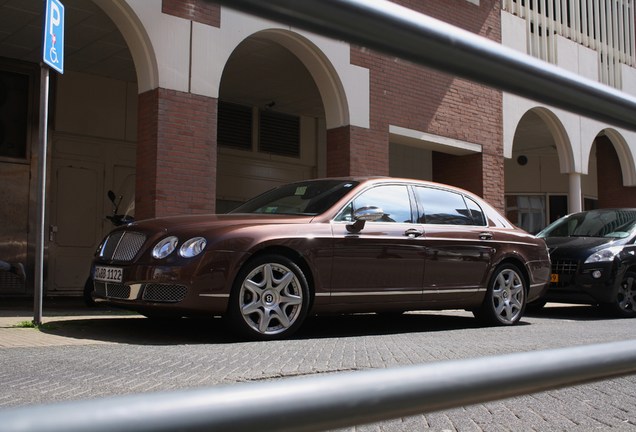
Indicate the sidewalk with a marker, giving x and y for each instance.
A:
(17, 314)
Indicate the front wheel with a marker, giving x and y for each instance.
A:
(624, 304)
(505, 299)
(270, 298)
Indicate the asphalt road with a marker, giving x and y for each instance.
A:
(117, 354)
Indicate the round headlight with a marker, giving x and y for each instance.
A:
(192, 247)
(165, 247)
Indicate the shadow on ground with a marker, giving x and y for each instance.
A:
(134, 329)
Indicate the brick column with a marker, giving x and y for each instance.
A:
(176, 154)
(355, 151)
(480, 173)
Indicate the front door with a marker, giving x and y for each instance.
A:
(383, 260)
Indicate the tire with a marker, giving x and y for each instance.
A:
(536, 306)
(87, 293)
(505, 300)
(269, 300)
(624, 304)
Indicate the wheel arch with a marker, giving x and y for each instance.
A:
(518, 262)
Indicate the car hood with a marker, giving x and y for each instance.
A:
(577, 247)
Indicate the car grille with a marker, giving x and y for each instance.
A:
(112, 290)
(122, 246)
(564, 267)
(164, 293)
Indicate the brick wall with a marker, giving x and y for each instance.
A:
(611, 192)
(200, 11)
(176, 154)
(415, 97)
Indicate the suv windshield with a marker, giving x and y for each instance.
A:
(307, 198)
(594, 223)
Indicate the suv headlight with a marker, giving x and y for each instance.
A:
(604, 255)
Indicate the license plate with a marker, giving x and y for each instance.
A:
(554, 278)
(108, 274)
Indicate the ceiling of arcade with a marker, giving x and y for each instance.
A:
(259, 71)
(93, 45)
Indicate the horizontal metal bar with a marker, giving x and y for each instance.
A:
(397, 31)
(330, 401)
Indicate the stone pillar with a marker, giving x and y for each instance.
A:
(575, 193)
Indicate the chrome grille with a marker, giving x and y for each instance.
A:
(122, 246)
(112, 290)
(164, 293)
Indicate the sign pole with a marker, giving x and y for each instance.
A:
(52, 56)
(41, 193)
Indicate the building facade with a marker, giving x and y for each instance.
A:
(183, 106)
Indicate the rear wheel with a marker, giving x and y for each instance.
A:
(624, 303)
(505, 299)
(270, 298)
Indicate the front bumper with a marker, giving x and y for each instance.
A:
(583, 283)
(180, 290)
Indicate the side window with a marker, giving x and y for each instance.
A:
(442, 207)
(392, 199)
(476, 212)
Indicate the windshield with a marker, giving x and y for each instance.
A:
(307, 198)
(604, 223)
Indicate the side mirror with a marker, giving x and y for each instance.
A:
(362, 215)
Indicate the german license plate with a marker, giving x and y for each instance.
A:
(554, 278)
(108, 274)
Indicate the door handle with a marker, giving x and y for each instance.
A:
(413, 232)
(485, 236)
(52, 232)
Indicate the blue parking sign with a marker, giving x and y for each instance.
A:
(53, 51)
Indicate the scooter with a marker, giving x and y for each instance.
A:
(116, 218)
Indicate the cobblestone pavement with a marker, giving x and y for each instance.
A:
(82, 354)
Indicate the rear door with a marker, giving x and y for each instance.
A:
(458, 247)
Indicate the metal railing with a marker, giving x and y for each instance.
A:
(397, 31)
(344, 399)
(330, 401)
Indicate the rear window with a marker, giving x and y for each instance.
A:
(443, 207)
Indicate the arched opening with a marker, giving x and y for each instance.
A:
(536, 179)
(614, 165)
(277, 96)
(92, 140)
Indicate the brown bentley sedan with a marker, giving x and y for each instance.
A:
(336, 245)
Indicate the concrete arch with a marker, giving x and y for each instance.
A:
(138, 40)
(561, 138)
(320, 68)
(625, 156)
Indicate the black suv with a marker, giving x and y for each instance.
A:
(593, 259)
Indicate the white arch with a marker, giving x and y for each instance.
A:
(322, 71)
(343, 87)
(139, 43)
(558, 132)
